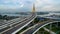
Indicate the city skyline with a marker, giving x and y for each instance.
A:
(26, 5)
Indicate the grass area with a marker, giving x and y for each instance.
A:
(47, 26)
(41, 31)
(54, 28)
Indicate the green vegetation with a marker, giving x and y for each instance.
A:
(41, 31)
(0, 16)
(36, 20)
(4, 17)
(54, 28)
(58, 32)
(48, 26)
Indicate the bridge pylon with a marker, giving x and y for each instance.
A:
(33, 9)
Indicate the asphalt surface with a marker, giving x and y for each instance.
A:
(10, 31)
(10, 23)
(30, 31)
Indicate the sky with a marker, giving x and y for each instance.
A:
(26, 5)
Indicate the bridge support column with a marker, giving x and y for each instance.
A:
(57, 25)
(50, 27)
(48, 30)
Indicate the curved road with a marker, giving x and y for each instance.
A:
(34, 29)
(19, 26)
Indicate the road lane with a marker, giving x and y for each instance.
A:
(33, 29)
(19, 26)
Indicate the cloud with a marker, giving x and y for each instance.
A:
(48, 5)
(10, 4)
(41, 5)
(13, 4)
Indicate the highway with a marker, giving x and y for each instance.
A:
(10, 23)
(34, 29)
(12, 26)
(51, 16)
(20, 25)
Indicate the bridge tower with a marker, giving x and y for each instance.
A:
(33, 9)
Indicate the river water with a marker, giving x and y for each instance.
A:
(21, 15)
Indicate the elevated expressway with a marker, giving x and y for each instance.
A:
(13, 26)
(36, 27)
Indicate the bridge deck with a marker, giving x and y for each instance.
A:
(35, 27)
(10, 23)
(19, 25)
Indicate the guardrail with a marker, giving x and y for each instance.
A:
(6, 25)
(31, 18)
(35, 28)
(44, 25)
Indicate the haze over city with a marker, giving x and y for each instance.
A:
(26, 5)
(29, 16)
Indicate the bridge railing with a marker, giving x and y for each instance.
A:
(14, 22)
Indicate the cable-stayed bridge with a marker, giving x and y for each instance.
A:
(36, 27)
(13, 26)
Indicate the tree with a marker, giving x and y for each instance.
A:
(0, 16)
(5, 17)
